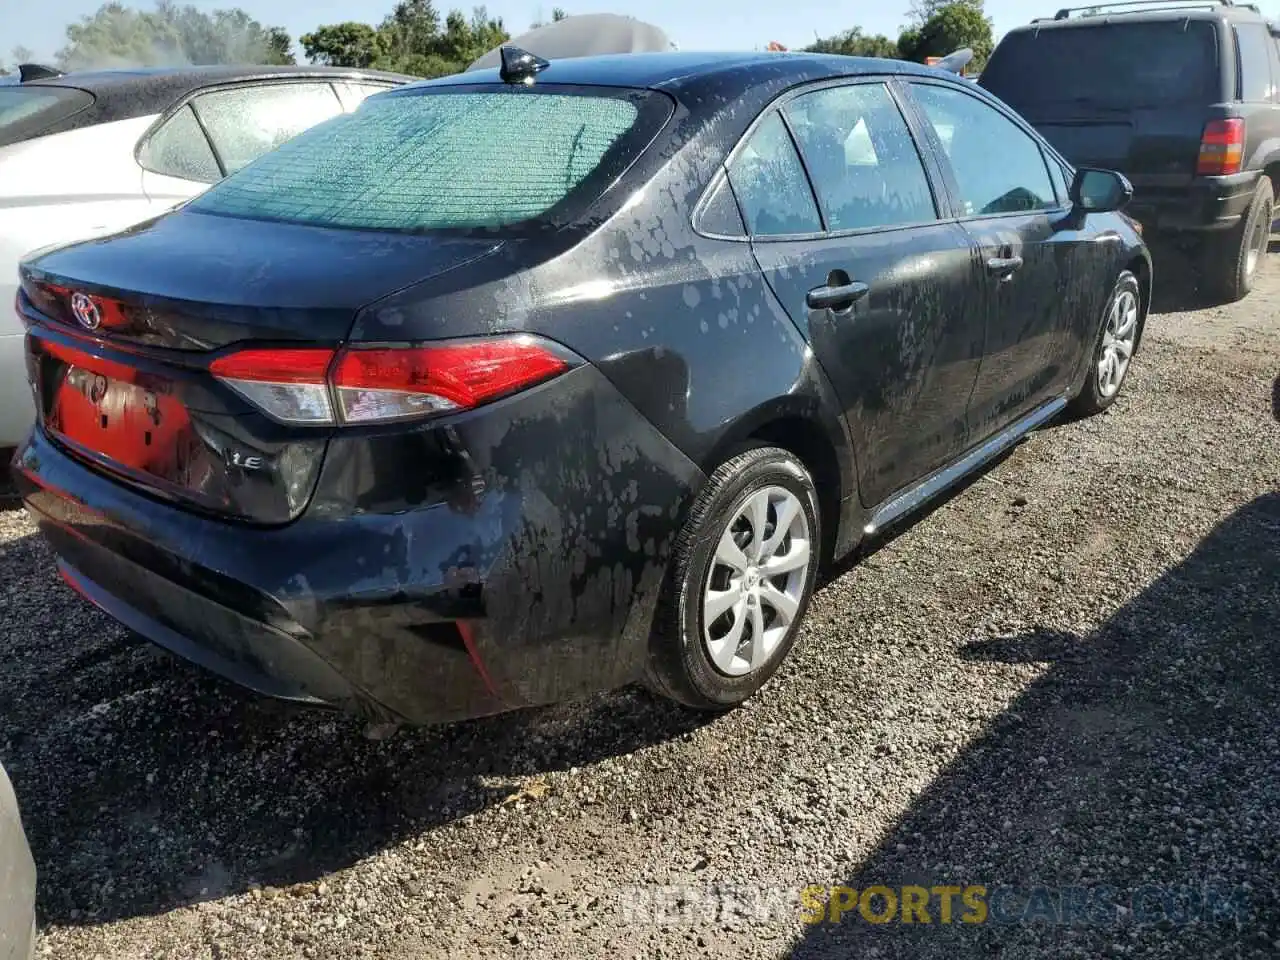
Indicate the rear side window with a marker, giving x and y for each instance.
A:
(999, 169)
(861, 157)
(246, 123)
(449, 161)
(1115, 64)
(1253, 43)
(770, 183)
(179, 149)
(27, 111)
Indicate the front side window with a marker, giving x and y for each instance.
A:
(860, 155)
(998, 167)
(448, 161)
(770, 183)
(246, 123)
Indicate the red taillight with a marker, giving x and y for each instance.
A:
(388, 384)
(377, 384)
(289, 385)
(1221, 148)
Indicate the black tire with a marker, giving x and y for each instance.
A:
(680, 666)
(1092, 400)
(1229, 270)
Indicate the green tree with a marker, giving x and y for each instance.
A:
(170, 35)
(411, 39)
(345, 45)
(854, 43)
(410, 29)
(947, 28)
(557, 14)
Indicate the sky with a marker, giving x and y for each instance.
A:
(693, 24)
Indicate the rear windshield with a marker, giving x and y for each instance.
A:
(27, 112)
(1116, 64)
(449, 160)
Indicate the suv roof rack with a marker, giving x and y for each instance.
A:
(35, 71)
(1144, 6)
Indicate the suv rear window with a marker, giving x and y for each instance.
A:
(26, 112)
(1113, 64)
(445, 160)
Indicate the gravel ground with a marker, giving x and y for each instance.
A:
(1067, 674)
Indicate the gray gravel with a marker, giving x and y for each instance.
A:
(1066, 674)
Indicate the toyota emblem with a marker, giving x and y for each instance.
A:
(86, 311)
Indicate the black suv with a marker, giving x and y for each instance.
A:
(1183, 98)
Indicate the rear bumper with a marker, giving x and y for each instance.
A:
(1208, 204)
(529, 577)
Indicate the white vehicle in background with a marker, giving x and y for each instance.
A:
(87, 154)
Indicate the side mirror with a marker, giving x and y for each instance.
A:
(1100, 191)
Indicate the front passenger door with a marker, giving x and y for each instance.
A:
(1009, 205)
(901, 345)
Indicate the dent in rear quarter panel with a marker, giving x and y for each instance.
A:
(544, 522)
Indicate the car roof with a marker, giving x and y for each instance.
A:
(195, 77)
(676, 70)
(1155, 12)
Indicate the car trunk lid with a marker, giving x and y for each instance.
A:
(197, 281)
(124, 333)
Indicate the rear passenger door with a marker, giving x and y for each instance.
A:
(844, 223)
(1032, 284)
(221, 131)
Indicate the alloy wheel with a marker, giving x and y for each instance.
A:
(1118, 341)
(1258, 242)
(757, 579)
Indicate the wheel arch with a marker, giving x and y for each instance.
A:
(797, 424)
(1140, 266)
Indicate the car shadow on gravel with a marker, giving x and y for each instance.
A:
(146, 785)
(1178, 279)
(1147, 755)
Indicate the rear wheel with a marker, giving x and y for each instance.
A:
(740, 581)
(1232, 259)
(1113, 348)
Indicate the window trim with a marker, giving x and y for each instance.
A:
(1062, 204)
(721, 176)
(933, 171)
(187, 98)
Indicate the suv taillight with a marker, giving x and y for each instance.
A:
(376, 383)
(1221, 148)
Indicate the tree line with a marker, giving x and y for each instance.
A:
(936, 28)
(415, 39)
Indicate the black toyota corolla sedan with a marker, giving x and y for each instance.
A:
(518, 385)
